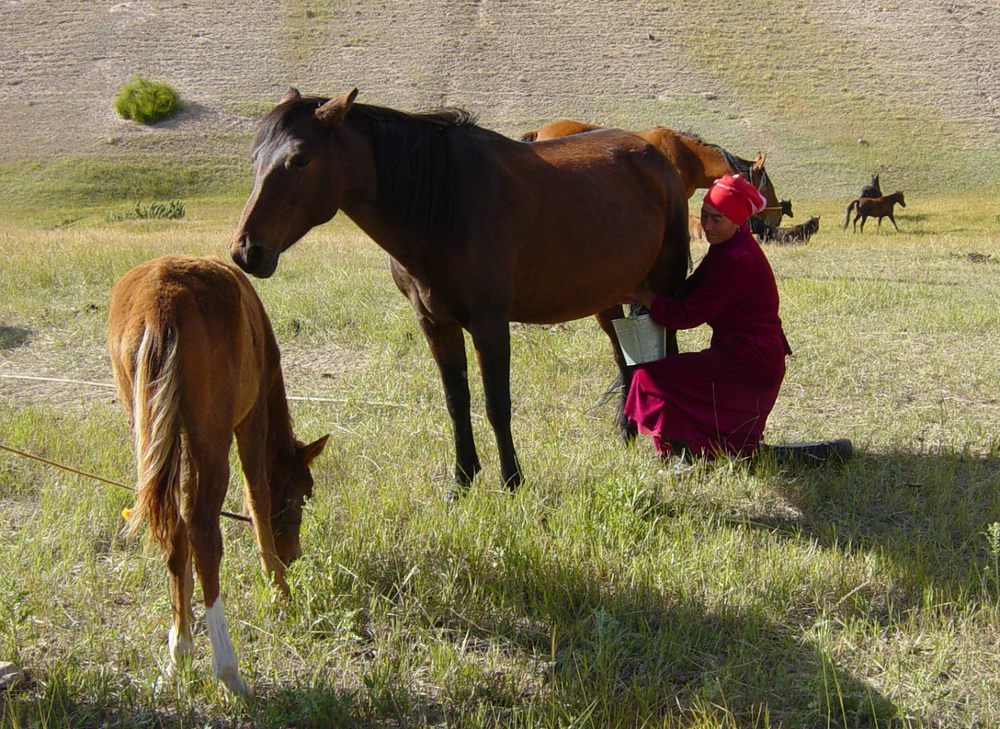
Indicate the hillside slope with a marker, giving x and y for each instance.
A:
(831, 92)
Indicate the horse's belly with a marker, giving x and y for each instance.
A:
(548, 295)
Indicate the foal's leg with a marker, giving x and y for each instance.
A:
(863, 219)
(492, 340)
(201, 512)
(181, 588)
(447, 345)
(891, 218)
(251, 441)
(626, 427)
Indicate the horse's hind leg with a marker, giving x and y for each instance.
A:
(447, 345)
(181, 588)
(201, 511)
(626, 427)
(491, 337)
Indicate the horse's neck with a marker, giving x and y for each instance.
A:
(401, 220)
(715, 161)
(280, 439)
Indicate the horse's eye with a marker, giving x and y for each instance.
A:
(296, 162)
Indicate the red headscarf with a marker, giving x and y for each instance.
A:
(735, 198)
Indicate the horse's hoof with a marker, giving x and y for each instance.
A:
(454, 493)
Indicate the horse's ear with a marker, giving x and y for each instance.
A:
(291, 95)
(311, 452)
(758, 164)
(334, 111)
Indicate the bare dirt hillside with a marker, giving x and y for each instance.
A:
(829, 90)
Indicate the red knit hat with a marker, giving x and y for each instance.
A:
(735, 198)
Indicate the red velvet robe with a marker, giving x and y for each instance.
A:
(718, 399)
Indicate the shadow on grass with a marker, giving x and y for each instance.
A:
(13, 337)
(928, 512)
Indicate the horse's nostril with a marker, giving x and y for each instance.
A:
(251, 255)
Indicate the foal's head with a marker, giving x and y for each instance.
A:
(291, 486)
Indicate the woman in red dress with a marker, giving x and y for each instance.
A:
(716, 400)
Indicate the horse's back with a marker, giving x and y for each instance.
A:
(557, 129)
(223, 338)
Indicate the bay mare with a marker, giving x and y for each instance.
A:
(194, 360)
(698, 162)
(481, 230)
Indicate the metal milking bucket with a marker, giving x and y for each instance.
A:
(641, 339)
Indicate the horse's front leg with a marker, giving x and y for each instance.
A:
(492, 341)
(251, 441)
(893, 221)
(447, 345)
(626, 428)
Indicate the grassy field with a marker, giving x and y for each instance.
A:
(605, 593)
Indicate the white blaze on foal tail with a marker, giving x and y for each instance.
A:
(187, 389)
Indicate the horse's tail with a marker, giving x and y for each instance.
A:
(156, 431)
(529, 136)
(847, 216)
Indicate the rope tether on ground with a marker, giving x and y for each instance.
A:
(238, 517)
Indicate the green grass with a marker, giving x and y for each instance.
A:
(604, 593)
(69, 189)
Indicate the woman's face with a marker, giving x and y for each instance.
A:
(718, 228)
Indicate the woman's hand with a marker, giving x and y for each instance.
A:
(641, 295)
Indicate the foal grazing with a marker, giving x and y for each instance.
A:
(194, 360)
(797, 233)
(878, 207)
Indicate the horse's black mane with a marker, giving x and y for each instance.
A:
(415, 158)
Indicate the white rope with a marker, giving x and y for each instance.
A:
(336, 400)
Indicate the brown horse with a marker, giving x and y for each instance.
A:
(698, 162)
(194, 360)
(481, 230)
(877, 207)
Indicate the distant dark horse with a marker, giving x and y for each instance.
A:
(878, 207)
(481, 230)
(762, 230)
(872, 189)
(797, 233)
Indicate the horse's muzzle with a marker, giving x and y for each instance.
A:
(253, 258)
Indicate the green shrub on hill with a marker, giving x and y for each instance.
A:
(146, 101)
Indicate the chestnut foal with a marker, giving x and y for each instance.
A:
(195, 360)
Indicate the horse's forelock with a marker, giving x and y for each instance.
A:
(282, 116)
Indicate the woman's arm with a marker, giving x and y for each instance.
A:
(718, 288)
